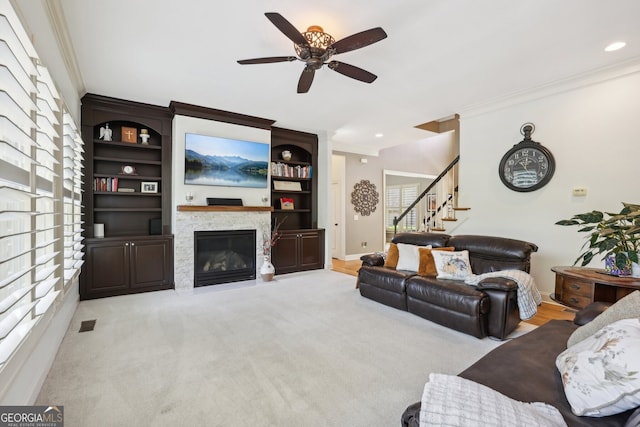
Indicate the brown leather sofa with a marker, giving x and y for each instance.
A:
(490, 308)
(527, 373)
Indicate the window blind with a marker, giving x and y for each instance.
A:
(398, 198)
(40, 179)
(72, 199)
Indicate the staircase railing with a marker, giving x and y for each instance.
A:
(397, 219)
(433, 214)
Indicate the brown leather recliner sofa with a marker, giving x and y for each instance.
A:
(490, 308)
(527, 372)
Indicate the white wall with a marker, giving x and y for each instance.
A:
(324, 192)
(593, 134)
(185, 124)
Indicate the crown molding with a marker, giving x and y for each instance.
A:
(568, 84)
(55, 13)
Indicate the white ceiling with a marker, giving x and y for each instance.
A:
(441, 56)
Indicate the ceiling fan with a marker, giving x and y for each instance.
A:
(314, 47)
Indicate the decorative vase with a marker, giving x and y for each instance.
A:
(611, 267)
(267, 270)
(286, 155)
(635, 269)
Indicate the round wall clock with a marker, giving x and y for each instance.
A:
(528, 165)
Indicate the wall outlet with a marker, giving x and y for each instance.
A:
(355, 217)
(364, 244)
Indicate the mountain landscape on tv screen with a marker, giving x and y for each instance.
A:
(234, 171)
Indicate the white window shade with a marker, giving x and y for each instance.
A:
(40, 196)
(72, 197)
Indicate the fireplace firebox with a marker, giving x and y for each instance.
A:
(224, 256)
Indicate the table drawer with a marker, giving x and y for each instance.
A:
(576, 301)
(577, 287)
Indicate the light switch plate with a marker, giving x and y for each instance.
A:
(580, 191)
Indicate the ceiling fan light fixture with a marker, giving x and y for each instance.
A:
(317, 38)
(314, 47)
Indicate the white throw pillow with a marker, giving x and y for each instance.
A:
(453, 401)
(625, 308)
(452, 265)
(601, 374)
(409, 257)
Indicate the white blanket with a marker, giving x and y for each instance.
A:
(529, 297)
(457, 402)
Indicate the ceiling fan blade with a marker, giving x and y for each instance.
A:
(267, 60)
(352, 71)
(306, 78)
(358, 40)
(286, 28)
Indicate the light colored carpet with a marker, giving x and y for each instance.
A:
(303, 350)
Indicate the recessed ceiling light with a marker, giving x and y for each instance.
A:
(614, 46)
(379, 135)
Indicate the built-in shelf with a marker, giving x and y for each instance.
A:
(128, 210)
(292, 210)
(136, 252)
(132, 177)
(127, 144)
(126, 193)
(288, 178)
(203, 208)
(119, 160)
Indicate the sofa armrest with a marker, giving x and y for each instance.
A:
(590, 312)
(498, 284)
(504, 316)
(374, 260)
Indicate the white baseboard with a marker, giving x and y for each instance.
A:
(356, 257)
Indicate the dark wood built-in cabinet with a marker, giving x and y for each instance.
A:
(299, 250)
(127, 187)
(126, 266)
(301, 246)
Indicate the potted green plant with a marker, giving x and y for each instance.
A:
(614, 235)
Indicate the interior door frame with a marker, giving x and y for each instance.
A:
(385, 173)
(338, 178)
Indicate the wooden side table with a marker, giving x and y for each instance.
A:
(578, 287)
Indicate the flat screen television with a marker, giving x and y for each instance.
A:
(211, 160)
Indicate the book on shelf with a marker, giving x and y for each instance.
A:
(105, 185)
(126, 190)
(289, 171)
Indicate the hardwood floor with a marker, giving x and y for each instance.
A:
(547, 311)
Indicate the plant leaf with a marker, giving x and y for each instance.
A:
(567, 222)
(622, 261)
(590, 217)
(586, 258)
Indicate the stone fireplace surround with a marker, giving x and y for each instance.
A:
(213, 218)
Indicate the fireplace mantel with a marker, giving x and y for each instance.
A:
(204, 208)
